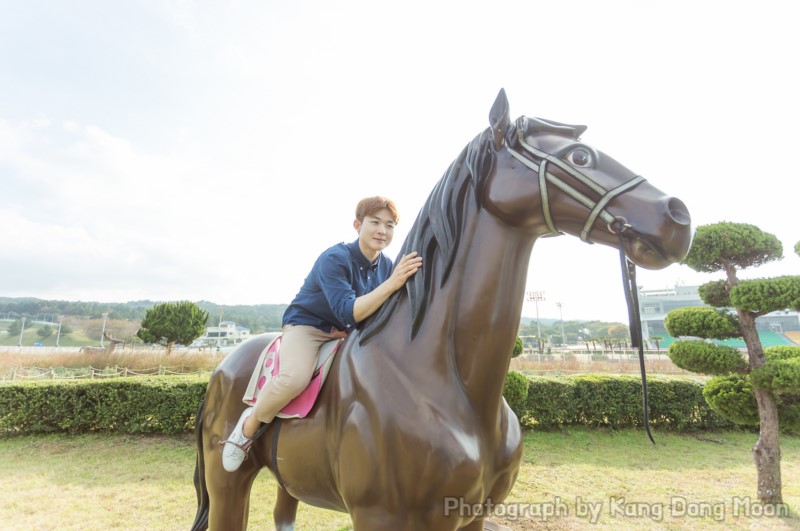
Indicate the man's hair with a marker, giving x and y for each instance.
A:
(370, 205)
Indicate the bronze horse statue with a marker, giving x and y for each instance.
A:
(411, 416)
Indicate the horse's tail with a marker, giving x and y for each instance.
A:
(201, 518)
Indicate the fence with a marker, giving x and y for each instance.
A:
(66, 373)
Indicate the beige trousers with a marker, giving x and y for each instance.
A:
(299, 347)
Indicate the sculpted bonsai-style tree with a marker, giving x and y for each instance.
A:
(765, 386)
(173, 322)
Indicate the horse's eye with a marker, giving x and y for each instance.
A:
(580, 157)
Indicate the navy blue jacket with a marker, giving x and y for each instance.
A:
(340, 274)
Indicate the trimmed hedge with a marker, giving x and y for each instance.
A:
(167, 404)
(616, 402)
(142, 404)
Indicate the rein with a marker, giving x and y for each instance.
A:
(597, 208)
(635, 322)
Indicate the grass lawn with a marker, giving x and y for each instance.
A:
(590, 478)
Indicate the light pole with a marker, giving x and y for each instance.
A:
(22, 329)
(58, 334)
(536, 297)
(561, 316)
(103, 334)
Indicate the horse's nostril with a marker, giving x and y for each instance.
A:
(678, 211)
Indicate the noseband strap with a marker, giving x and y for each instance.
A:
(597, 208)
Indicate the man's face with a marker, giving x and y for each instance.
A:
(375, 232)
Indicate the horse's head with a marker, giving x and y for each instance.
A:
(543, 172)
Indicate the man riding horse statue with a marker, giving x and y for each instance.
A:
(411, 415)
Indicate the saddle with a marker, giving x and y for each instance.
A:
(268, 366)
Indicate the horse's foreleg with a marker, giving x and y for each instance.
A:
(228, 495)
(285, 511)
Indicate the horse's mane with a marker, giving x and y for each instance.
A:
(437, 232)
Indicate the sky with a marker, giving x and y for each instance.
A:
(196, 150)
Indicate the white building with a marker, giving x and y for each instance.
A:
(655, 304)
(226, 334)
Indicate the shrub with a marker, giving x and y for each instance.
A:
(550, 403)
(732, 397)
(613, 401)
(708, 358)
(167, 404)
(678, 404)
(142, 404)
(515, 390)
(595, 400)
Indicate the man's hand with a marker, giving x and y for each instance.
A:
(405, 269)
(366, 305)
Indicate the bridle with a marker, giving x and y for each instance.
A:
(597, 208)
(615, 224)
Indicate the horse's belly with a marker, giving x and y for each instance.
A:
(304, 467)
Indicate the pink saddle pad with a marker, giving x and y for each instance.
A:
(268, 367)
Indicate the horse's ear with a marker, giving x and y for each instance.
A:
(499, 120)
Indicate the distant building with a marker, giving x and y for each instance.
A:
(226, 334)
(655, 304)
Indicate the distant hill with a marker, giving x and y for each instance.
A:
(258, 318)
(543, 321)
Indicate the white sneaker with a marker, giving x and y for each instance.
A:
(237, 445)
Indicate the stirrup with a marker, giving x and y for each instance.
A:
(262, 427)
(243, 447)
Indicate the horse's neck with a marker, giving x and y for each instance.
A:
(486, 305)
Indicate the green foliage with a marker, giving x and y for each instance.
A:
(767, 295)
(780, 374)
(44, 332)
(618, 332)
(518, 347)
(675, 404)
(173, 322)
(678, 404)
(32, 306)
(702, 322)
(141, 404)
(732, 397)
(707, 358)
(715, 293)
(167, 404)
(739, 245)
(550, 403)
(15, 328)
(619, 398)
(515, 390)
(783, 352)
(797, 248)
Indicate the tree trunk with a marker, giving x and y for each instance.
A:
(767, 451)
